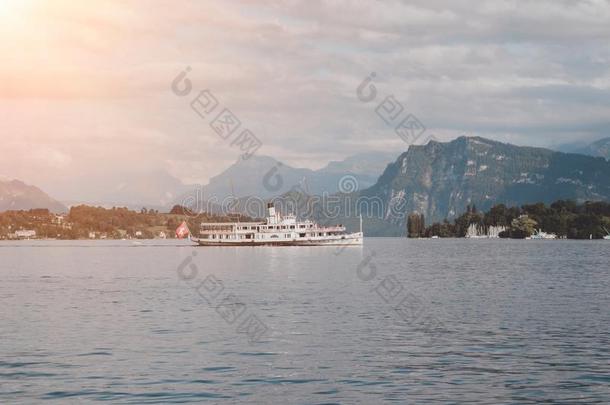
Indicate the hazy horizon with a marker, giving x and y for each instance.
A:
(134, 189)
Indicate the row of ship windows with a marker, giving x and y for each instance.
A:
(266, 227)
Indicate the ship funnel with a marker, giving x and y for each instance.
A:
(271, 210)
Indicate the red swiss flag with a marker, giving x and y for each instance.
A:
(182, 231)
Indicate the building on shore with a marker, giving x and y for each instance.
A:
(25, 234)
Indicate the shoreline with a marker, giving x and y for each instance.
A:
(366, 237)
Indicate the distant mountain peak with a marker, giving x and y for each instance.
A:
(17, 195)
(599, 148)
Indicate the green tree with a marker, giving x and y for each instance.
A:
(416, 225)
(523, 227)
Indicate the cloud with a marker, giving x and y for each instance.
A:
(93, 84)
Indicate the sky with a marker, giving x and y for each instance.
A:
(86, 87)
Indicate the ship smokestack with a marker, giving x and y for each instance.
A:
(271, 210)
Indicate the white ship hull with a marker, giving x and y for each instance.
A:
(352, 239)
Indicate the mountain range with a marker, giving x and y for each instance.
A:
(160, 190)
(440, 180)
(262, 176)
(265, 177)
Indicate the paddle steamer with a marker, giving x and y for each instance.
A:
(276, 230)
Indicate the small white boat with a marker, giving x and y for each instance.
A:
(542, 235)
(275, 231)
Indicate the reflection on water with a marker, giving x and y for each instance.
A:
(514, 322)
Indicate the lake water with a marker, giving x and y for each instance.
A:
(403, 321)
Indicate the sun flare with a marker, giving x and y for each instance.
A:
(10, 7)
(12, 12)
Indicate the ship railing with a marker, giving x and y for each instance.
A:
(216, 232)
(329, 229)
